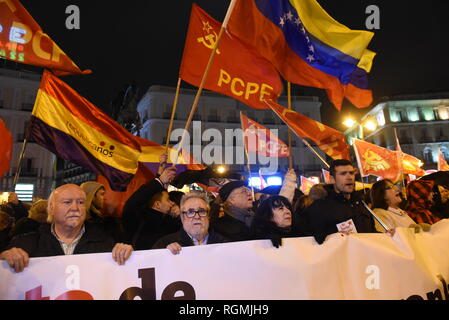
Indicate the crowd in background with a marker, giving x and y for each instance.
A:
(71, 220)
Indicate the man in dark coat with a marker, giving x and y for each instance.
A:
(147, 213)
(237, 204)
(19, 210)
(195, 225)
(342, 209)
(66, 234)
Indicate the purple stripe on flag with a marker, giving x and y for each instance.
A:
(66, 147)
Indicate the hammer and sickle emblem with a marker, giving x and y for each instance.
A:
(374, 161)
(209, 41)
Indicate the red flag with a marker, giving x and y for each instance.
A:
(331, 141)
(376, 160)
(114, 200)
(261, 140)
(22, 40)
(442, 163)
(5, 148)
(306, 185)
(410, 164)
(237, 70)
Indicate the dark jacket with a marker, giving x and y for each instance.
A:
(232, 229)
(111, 225)
(24, 225)
(19, 210)
(4, 238)
(44, 244)
(262, 230)
(184, 240)
(323, 215)
(143, 225)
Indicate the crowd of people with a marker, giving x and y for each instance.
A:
(71, 220)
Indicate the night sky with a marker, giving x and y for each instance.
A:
(141, 42)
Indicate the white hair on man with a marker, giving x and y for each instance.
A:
(195, 195)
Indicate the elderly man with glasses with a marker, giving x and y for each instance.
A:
(195, 225)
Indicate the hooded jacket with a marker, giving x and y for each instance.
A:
(418, 206)
(110, 225)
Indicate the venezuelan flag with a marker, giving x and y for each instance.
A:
(307, 46)
(74, 129)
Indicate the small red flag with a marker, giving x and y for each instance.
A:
(22, 40)
(377, 161)
(331, 141)
(260, 140)
(5, 148)
(442, 163)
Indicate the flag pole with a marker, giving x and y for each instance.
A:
(247, 158)
(289, 133)
(175, 103)
(305, 142)
(204, 78)
(22, 153)
(401, 166)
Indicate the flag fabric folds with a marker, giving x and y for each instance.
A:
(237, 70)
(22, 40)
(306, 185)
(326, 176)
(331, 141)
(377, 161)
(307, 46)
(410, 164)
(442, 163)
(5, 148)
(260, 140)
(74, 129)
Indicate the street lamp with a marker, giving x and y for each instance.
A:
(369, 125)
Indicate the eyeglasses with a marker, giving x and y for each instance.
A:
(192, 213)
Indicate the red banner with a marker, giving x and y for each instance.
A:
(331, 141)
(261, 140)
(22, 40)
(306, 185)
(237, 70)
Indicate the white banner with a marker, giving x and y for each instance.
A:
(359, 266)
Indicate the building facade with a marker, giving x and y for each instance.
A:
(217, 115)
(18, 91)
(421, 123)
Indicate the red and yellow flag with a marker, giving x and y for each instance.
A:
(5, 148)
(412, 165)
(22, 40)
(74, 129)
(331, 141)
(306, 185)
(237, 71)
(261, 140)
(377, 161)
(442, 163)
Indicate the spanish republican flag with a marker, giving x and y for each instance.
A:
(5, 148)
(74, 129)
(377, 161)
(22, 40)
(331, 141)
(442, 163)
(261, 140)
(307, 46)
(237, 70)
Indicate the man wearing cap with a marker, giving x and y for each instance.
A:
(237, 204)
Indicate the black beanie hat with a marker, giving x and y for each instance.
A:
(226, 190)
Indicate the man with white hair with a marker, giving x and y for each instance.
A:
(65, 234)
(195, 225)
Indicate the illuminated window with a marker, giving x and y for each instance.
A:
(380, 118)
(274, 181)
(413, 114)
(255, 182)
(443, 112)
(25, 192)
